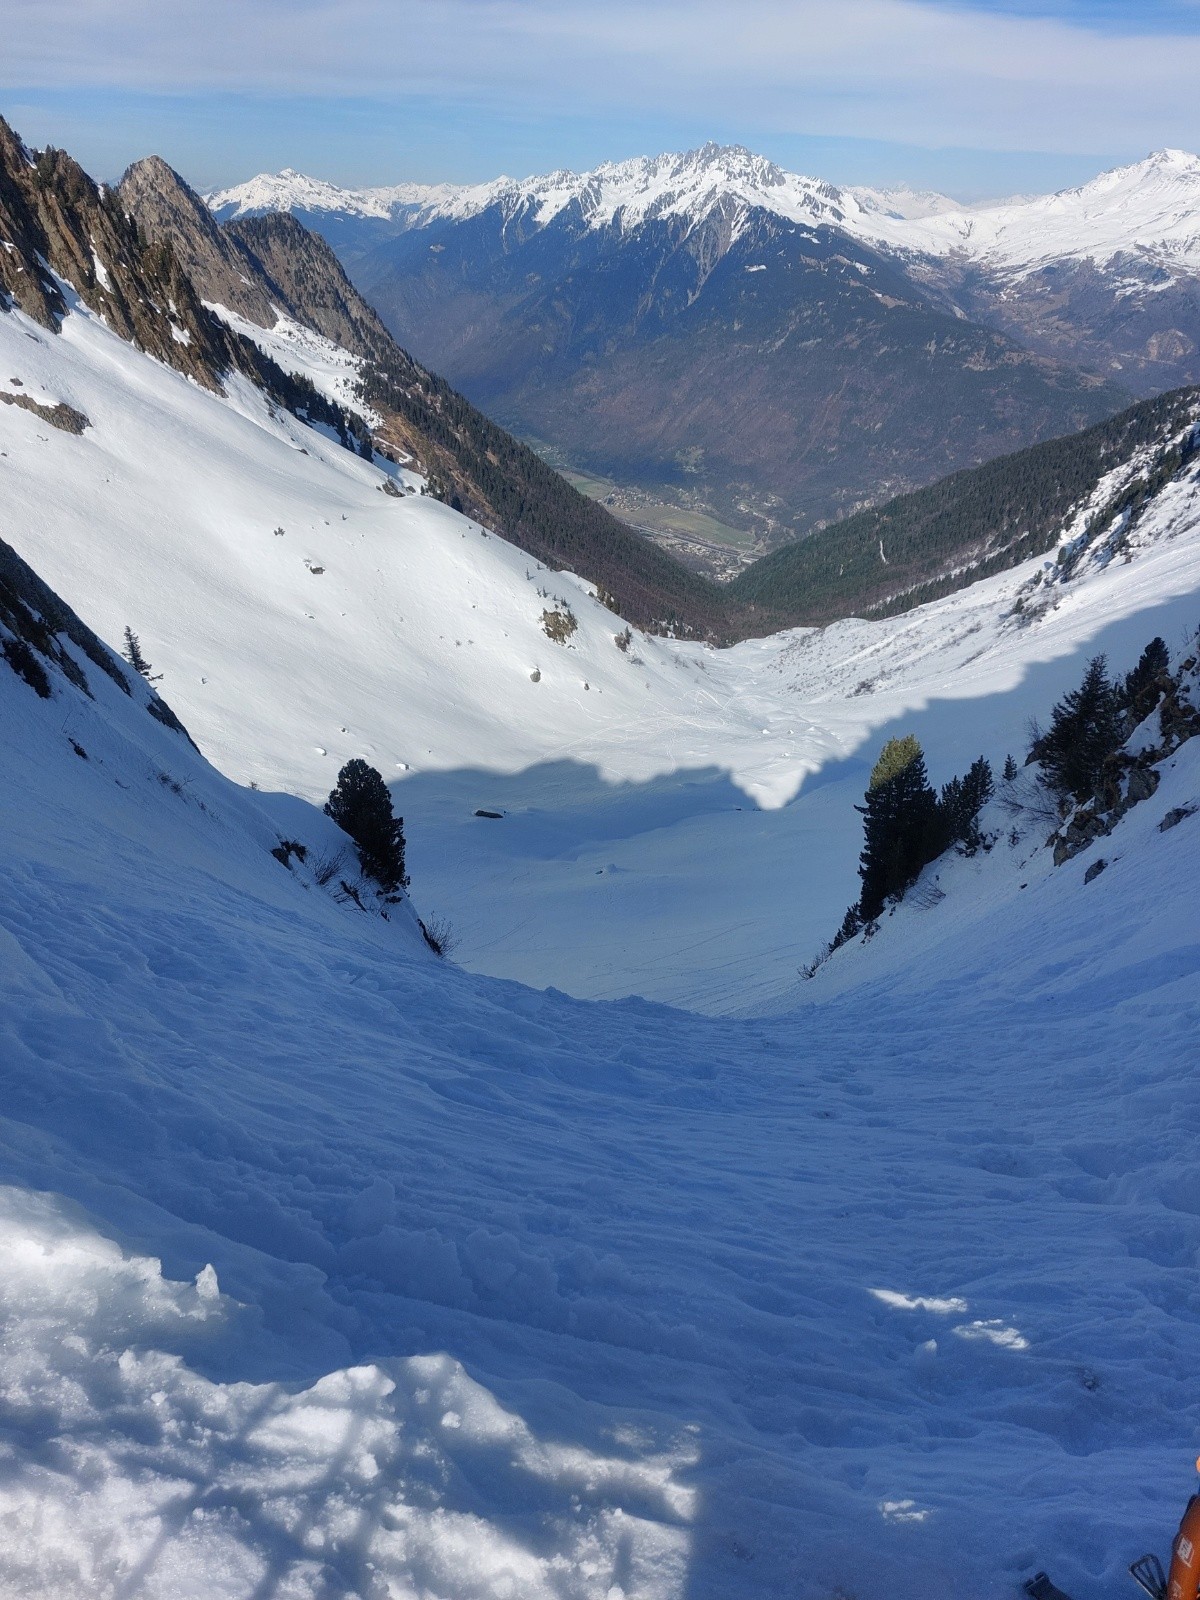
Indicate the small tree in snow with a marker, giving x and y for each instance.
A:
(900, 821)
(133, 654)
(1085, 727)
(362, 806)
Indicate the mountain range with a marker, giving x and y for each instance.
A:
(726, 351)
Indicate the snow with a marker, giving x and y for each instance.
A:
(1147, 213)
(293, 191)
(329, 1269)
(103, 277)
(334, 371)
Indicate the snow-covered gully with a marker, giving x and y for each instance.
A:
(330, 1269)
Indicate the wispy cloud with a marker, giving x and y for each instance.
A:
(906, 70)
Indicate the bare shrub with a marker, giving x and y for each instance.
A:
(325, 868)
(439, 936)
(560, 623)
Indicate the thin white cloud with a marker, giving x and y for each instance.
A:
(896, 70)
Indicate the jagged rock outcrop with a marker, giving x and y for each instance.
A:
(61, 228)
(166, 210)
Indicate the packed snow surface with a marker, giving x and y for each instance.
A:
(1148, 211)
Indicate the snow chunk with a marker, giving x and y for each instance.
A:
(903, 1302)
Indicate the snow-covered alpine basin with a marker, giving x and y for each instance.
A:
(677, 822)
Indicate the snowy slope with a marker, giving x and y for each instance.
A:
(417, 642)
(417, 646)
(331, 1271)
(1150, 209)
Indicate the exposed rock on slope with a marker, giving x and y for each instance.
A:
(57, 224)
(64, 235)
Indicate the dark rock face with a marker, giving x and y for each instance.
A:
(774, 374)
(62, 226)
(306, 279)
(167, 211)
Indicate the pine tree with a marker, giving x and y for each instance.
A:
(900, 824)
(362, 806)
(1141, 687)
(1010, 769)
(133, 654)
(1085, 728)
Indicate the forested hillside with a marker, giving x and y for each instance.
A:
(970, 525)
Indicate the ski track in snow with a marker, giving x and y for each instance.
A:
(330, 1270)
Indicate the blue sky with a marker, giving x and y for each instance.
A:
(973, 97)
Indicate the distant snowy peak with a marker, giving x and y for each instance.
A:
(902, 203)
(625, 194)
(293, 191)
(1149, 210)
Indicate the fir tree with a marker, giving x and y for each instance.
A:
(133, 654)
(900, 824)
(1010, 768)
(1085, 728)
(1140, 690)
(362, 806)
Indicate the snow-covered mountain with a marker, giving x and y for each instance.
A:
(1149, 210)
(293, 191)
(694, 274)
(1150, 207)
(627, 193)
(609, 316)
